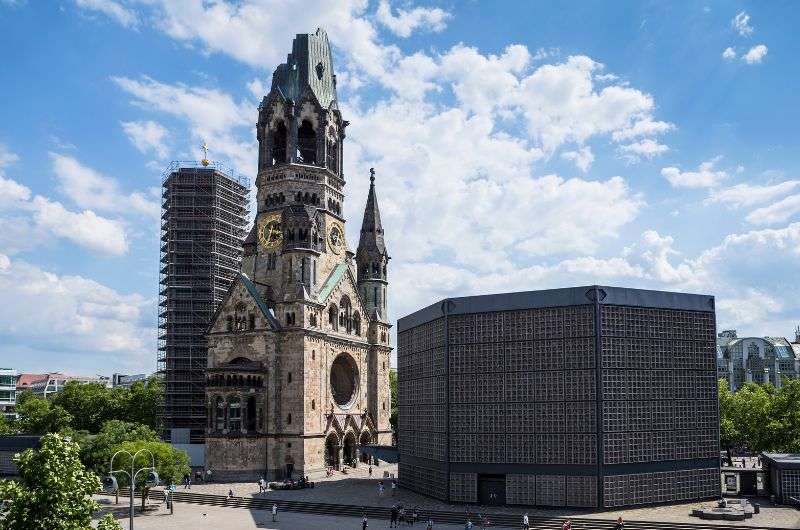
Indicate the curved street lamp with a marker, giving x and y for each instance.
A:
(110, 482)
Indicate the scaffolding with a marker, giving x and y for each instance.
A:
(204, 215)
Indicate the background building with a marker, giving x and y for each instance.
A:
(586, 397)
(45, 384)
(743, 360)
(8, 392)
(203, 219)
(125, 381)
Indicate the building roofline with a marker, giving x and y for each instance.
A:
(568, 296)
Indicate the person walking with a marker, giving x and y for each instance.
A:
(370, 471)
(393, 517)
(620, 524)
(525, 523)
(230, 493)
(394, 487)
(430, 524)
(380, 489)
(208, 475)
(364, 523)
(274, 512)
(567, 525)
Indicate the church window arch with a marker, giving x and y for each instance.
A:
(289, 419)
(332, 149)
(345, 314)
(313, 405)
(307, 142)
(229, 323)
(289, 377)
(279, 138)
(235, 414)
(251, 321)
(220, 413)
(357, 323)
(333, 317)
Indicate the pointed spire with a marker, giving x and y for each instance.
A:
(371, 228)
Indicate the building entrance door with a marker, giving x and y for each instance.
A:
(492, 490)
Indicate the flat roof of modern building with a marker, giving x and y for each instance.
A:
(568, 296)
(783, 460)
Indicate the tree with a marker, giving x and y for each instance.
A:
(97, 450)
(91, 404)
(53, 491)
(144, 404)
(171, 464)
(37, 415)
(5, 426)
(109, 523)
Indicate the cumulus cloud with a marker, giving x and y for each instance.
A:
(729, 54)
(80, 318)
(746, 195)
(647, 148)
(755, 54)
(86, 228)
(741, 23)
(705, 176)
(114, 10)
(7, 157)
(408, 20)
(582, 158)
(776, 213)
(147, 136)
(88, 188)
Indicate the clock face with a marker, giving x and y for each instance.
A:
(270, 234)
(336, 239)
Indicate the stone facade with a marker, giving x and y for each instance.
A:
(298, 362)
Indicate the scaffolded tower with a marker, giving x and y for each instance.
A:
(204, 214)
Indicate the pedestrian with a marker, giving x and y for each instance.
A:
(620, 524)
(468, 525)
(415, 517)
(370, 471)
(208, 475)
(274, 512)
(394, 487)
(380, 489)
(567, 525)
(364, 523)
(402, 516)
(525, 523)
(430, 524)
(393, 516)
(230, 493)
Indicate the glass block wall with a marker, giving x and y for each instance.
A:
(551, 401)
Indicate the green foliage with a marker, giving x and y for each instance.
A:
(53, 491)
(109, 523)
(87, 407)
(40, 416)
(761, 417)
(171, 464)
(6, 426)
(97, 450)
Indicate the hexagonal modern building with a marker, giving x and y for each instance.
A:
(584, 396)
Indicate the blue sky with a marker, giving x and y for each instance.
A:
(518, 145)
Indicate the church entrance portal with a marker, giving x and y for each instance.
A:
(332, 451)
(349, 449)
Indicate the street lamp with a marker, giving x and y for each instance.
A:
(110, 482)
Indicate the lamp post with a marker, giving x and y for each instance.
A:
(152, 478)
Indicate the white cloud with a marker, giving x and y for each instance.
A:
(582, 158)
(647, 148)
(85, 228)
(776, 213)
(147, 136)
(213, 116)
(644, 127)
(745, 195)
(704, 177)
(71, 315)
(88, 188)
(755, 55)
(741, 23)
(7, 157)
(408, 20)
(114, 10)
(729, 54)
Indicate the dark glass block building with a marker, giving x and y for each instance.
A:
(584, 397)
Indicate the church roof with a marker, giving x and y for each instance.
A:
(371, 227)
(251, 288)
(308, 66)
(333, 279)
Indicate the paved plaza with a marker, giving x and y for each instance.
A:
(356, 488)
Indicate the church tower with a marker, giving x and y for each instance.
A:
(298, 370)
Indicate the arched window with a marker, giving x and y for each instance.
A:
(333, 316)
(307, 143)
(313, 405)
(345, 316)
(235, 414)
(229, 323)
(252, 321)
(279, 143)
(333, 153)
(220, 408)
(288, 419)
(357, 323)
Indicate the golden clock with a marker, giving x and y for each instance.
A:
(270, 234)
(336, 238)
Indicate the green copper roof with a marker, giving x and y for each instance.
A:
(332, 280)
(309, 65)
(251, 288)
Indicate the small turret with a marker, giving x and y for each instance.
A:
(372, 257)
